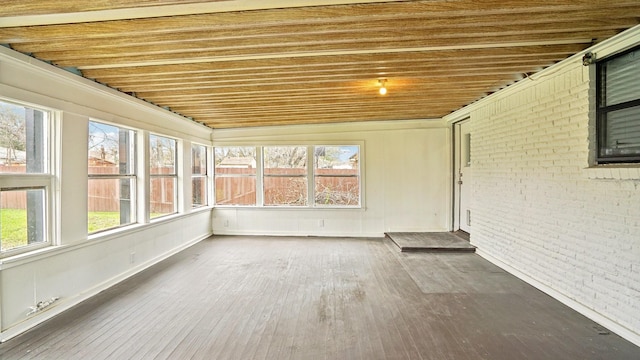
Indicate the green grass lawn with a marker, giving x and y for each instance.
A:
(13, 226)
(100, 220)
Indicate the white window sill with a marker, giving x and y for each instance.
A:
(613, 172)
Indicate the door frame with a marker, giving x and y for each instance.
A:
(456, 161)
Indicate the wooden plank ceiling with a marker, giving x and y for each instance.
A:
(238, 63)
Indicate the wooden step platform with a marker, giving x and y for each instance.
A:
(431, 241)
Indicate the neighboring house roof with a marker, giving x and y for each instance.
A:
(96, 161)
(12, 156)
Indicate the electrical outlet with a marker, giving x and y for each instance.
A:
(132, 258)
(321, 223)
(226, 223)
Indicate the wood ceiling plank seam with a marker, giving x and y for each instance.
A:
(384, 39)
(271, 80)
(37, 7)
(141, 75)
(415, 66)
(155, 96)
(337, 74)
(143, 39)
(320, 50)
(560, 51)
(289, 17)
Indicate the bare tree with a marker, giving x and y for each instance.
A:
(12, 131)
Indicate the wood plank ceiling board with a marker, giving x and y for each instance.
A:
(233, 63)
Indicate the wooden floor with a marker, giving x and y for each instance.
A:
(319, 298)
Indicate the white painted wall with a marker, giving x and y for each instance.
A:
(406, 180)
(541, 211)
(78, 267)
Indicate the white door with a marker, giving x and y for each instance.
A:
(462, 176)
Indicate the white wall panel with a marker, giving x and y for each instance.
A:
(405, 177)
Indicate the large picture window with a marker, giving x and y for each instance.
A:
(199, 167)
(285, 175)
(163, 172)
(112, 176)
(618, 89)
(235, 175)
(25, 177)
(289, 175)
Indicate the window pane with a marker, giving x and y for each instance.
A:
(622, 79)
(199, 191)
(337, 191)
(235, 160)
(236, 190)
(163, 196)
(235, 175)
(285, 160)
(22, 218)
(110, 203)
(622, 135)
(337, 175)
(23, 135)
(111, 149)
(162, 155)
(333, 158)
(198, 160)
(289, 191)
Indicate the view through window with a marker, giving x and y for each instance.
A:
(164, 176)
(25, 178)
(112, 176)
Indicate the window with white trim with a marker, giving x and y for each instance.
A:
(163, 174)
(112, 176)
(235, 175)
(285, 176)
(289, 176)
(336, 175)
(618, 108)
(26, 177)
(199, 175)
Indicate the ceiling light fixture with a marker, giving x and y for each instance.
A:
(383, 86)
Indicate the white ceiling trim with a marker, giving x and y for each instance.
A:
(171, 10)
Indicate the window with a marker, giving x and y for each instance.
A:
(235, 175)
(285, 175)
(284, 178)
(199, 175)
(337, 175)
(26, 178)
(618, 101)
(112, 177)
(164, 176)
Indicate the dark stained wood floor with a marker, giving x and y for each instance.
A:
(319, 298)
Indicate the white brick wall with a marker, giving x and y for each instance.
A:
(537, 209)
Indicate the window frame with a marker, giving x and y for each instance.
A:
(173, 175)
(310, 175)
(358, 176)
(204, 177)
(603, 110)
(257, 176)
(306, 176)
(130, 176)
(45, 180)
